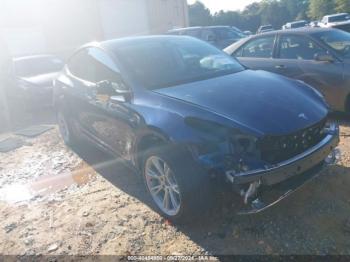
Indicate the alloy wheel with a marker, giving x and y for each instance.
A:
(162, 185)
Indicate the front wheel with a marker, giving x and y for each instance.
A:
(178, 190)
(66, 130)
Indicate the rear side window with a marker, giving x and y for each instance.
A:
(260, 48)
(298, 47)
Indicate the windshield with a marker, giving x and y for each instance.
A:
(238, 30)
(339, 18)
(37, 66)
(235, 30)
(337, 40)
(163, 63)
(228, 33)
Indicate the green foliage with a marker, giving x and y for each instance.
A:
(320, 8)
(199, 14)
(342, 6)
(275, 12)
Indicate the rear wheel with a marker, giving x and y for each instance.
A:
(178, 189)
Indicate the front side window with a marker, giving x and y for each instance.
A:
(337, 40)
(104, 66)
(258, 48)
(163, 63)
(93, 65)
(81, 66)
(299, 47)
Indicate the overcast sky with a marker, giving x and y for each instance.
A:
(217, 5)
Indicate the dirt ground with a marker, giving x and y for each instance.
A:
(54, 200)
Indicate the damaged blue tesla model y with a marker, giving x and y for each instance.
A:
(182, 112)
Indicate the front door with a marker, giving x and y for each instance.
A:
(113, 119)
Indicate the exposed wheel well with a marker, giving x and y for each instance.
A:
(145, 143)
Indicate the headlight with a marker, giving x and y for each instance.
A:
(244, 145)
(226, 147)
(217, 136)
(208, 130)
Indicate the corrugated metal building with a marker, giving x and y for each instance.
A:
(59, 26)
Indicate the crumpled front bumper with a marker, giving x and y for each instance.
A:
(276, 183)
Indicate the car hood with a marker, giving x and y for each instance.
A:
(262, 101)
(44, 80)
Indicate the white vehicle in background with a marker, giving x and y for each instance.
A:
(339, 21)
(296, 24)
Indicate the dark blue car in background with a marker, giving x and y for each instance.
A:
(182, 113)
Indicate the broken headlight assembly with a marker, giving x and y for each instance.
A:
(225, 147)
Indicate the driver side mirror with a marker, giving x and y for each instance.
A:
(324, 58)
(117, 92)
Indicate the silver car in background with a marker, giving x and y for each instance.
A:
(317, 56)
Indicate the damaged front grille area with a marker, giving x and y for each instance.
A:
(276, 149)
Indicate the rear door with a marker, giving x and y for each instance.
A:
(295, 58)
(257, 53)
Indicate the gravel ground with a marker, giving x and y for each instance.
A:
(57, 201)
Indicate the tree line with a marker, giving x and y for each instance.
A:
(274, 12)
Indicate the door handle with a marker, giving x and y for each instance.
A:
(280, 67)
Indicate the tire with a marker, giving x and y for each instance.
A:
(184, 184)
(67, 133)
(347, 105)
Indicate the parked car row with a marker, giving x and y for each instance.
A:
(184, 114)
(339, 21)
